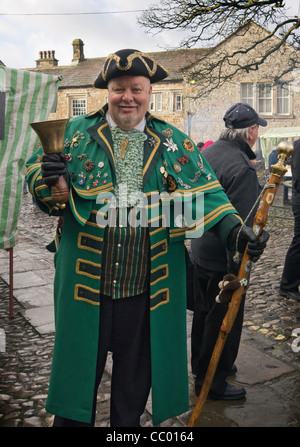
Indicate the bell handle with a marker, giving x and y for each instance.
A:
(60, 191)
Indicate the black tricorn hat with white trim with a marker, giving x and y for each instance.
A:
(130, 62)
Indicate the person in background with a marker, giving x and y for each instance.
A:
(206, 144)
(273, 158)
(230, 157)
(200, 145)
(290, 280)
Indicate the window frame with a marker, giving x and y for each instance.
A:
(71, 96)
(271, 99)
(152, 102)
(175, 102)
(156, 102)
(73, 108)
(266, 98)
(247, 97)
(159, 101)
(283, 86)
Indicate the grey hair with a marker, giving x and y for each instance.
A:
(234, 134)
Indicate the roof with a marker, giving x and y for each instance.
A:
(84, 73)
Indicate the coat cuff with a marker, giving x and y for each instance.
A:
(223, 228)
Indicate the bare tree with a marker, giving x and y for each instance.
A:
(209, 23)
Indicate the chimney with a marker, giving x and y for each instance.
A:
(78, 55)
(47, 59)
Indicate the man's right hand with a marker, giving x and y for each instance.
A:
(53, 166)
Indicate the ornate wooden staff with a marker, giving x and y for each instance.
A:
(285, 150)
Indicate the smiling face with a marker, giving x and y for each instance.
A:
(128, 100)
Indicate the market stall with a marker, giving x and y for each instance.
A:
(273, 136)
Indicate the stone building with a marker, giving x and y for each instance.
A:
(175, 98)
(276, 101)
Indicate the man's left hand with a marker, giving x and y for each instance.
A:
(246, 235)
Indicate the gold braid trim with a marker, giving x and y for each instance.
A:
(130, 58)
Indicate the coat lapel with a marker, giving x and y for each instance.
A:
(153, 149)
(101, 134)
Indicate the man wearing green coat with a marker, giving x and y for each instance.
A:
(138, 188)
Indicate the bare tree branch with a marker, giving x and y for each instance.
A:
(211, 18)
(214, 21)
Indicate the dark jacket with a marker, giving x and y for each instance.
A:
(230, 159)
(296, 173)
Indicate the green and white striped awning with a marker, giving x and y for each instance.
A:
(25, 97)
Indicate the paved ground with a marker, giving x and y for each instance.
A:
(268, 364)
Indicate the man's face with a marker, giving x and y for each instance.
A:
(128, 100)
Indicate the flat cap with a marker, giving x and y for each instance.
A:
(241, 116)
(130, 62)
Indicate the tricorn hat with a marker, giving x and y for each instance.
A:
(130, 62)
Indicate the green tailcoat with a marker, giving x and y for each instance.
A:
(173, 170)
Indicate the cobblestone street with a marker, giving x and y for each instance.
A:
(26, 361)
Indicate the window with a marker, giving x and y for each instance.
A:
(177, 102)
(152, 102)
(156, 102)
(264, 98)
(78, 107)
(159, 102)
(247, 93)
(260, 97)
(283, 99)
